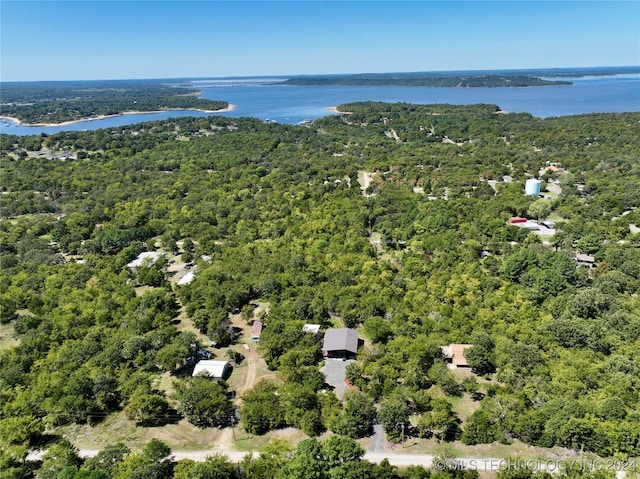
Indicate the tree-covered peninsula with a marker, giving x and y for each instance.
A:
(403, 222)
(59, 102)
(426, 80)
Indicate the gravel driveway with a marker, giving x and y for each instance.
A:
(334, 370)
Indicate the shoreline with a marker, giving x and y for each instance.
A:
(18, 122)
(334, 109)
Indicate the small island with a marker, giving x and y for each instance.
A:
(56, 103)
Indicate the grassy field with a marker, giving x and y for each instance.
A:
(248, 442)
(464, 407)
(497, 450)
(116, 427)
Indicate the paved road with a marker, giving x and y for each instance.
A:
(378, 443)
(493, 464)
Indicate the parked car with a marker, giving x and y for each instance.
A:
(204, 354)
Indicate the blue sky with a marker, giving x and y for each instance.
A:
(64, 40)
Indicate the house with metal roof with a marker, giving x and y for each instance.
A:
(256, 331)
(146, 257)
(187, 278)
(340, 343)
(585, 260)
(215, 369)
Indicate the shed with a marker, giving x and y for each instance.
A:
(454, 355)
(215, 369)
(340, 343)
(256, 331)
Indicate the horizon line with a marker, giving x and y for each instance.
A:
(287, 76)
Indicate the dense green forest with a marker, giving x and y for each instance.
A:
(58, 102)
(456, 81)
(421, 256)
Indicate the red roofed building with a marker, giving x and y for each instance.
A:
(256, 331)
(454, 355)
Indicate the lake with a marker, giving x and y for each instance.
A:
(293, 104)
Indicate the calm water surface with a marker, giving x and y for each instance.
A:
(292, 104)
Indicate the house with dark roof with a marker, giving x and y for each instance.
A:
(340, 343)
(585, 260)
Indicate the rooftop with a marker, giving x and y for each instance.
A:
(584, 258)
(341, 340)
(455, 353)
(187, 278)
(256, 329)
(311, 328)
(150, 256)
(211, 367)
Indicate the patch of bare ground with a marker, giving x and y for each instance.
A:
(184, 323)
(7, 340)
(253, 367)
(176, 269)
(140, 290)
(375, 240)
(250, 371)
(364, 178)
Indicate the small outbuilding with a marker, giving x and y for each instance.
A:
(215, 369)
(454, 356)
(311, 328)
(256, 331)
(340, 343)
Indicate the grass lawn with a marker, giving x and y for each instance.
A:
(497, 450)
(31, 217)
(116, 427)
(248, 442)
(464, 407)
